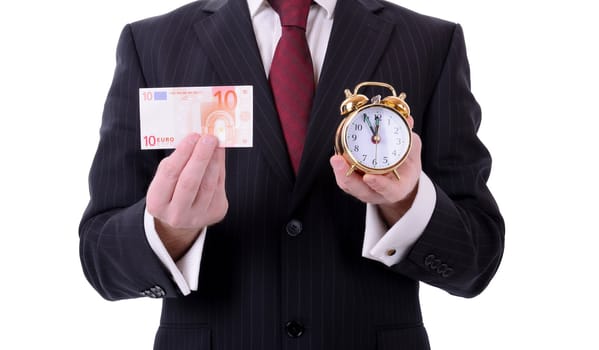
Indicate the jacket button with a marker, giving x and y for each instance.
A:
(294, 329)
(294, 228)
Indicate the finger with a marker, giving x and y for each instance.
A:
(392, 189)
(220, 186)
(388, 187)
(210, 182)
(416, 149)
(193, 173)
(223, 170)
(352, 184)
(410, 121)
(219, 204)
(162, 187)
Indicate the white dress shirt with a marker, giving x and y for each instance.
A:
(383, 244)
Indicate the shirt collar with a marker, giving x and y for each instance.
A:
(256, 5)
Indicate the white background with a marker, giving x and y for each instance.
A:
(534, 71)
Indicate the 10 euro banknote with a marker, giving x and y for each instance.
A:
(167, 115)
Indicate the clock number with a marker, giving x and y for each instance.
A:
(364, 158)
(358, 127)
(394, 153)
(356, 148)
(385, 160)
(374, 162)
(354, 137)
(399, 141)
(396, 131)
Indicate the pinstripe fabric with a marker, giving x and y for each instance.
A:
(254, 276)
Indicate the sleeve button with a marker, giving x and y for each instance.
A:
(429, 260)
(448, 272)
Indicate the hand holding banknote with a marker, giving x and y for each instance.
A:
(188, 192)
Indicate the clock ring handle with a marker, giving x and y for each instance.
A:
(396, 102)
(374, 83)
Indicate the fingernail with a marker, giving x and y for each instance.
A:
(192, 138)
(337, 163)
(208, 140)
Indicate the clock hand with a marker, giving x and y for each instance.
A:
(376, 139)
(376, 150)
(367, 120)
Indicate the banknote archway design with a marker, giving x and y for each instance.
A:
(222, 125)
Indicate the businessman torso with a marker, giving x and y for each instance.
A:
(284, 268)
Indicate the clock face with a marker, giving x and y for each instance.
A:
(377, 137)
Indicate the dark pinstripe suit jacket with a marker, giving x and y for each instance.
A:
(255, 277)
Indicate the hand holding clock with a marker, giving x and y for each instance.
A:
(393, 197)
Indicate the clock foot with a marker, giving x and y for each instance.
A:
(396, 174)
(351, 170)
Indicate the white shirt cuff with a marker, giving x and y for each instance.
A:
(185, 272)
(391, 246)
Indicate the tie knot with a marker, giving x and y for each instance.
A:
(292, 12)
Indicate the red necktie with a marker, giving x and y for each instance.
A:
(292, 75)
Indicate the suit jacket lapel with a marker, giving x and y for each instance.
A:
(228, 39)
(358, 39)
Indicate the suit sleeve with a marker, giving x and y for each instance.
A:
(462, 245)
(115, 254)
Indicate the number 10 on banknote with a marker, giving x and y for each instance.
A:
(167, 115)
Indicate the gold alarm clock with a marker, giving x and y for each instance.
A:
(374, 137)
